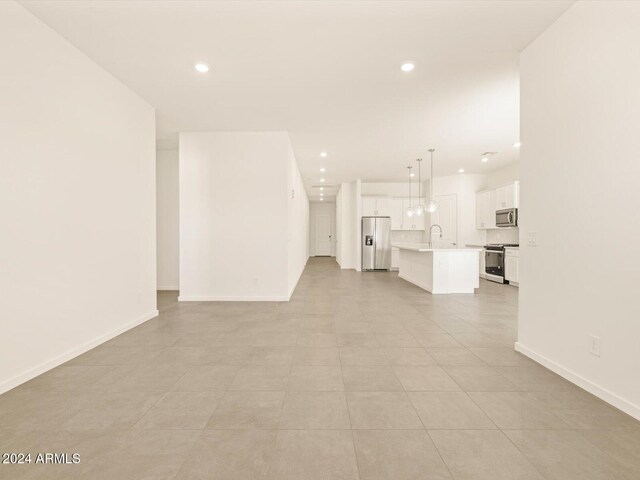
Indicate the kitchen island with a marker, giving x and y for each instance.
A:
(439, 270)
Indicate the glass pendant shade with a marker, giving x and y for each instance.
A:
(419, 210)
(432, 206)
(409, 212)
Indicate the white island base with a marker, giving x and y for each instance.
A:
(440, 270)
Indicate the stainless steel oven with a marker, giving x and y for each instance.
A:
(494, 263)
(507, 217)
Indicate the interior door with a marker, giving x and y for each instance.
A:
(323, 236)
(446, 215)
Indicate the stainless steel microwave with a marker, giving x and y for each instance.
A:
(507, 217)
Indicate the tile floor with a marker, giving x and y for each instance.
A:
(359, 376)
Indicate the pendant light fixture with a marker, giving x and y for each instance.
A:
(409, 210)
(431, 206)
(419, 210)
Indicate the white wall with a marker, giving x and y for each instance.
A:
(77, 201)
(298, 222)
(237, 237)
(502, 176)
(322, 208)
(168, 220)
(464, 187)
(579, 177)
(348, 231)
(393, 189)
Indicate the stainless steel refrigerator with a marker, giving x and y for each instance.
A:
(376, 243)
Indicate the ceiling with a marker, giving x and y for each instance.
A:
(328, 72)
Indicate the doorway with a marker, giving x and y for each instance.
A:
(323, 235)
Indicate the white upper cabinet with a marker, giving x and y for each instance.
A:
(489, 201)
(486, 210)
(397, 213)
(396, 208)
(383, 207)
(368, 206)
(376, 207)
(507, 196)
(419, 222)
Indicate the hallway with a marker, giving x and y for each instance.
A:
(358, 376)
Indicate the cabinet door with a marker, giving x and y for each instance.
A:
(419, 222)
(512, 193)
(501, 197)
(491, 209)
(482, 265)
(509, 268)
(516, 269)
(368, 206)
(397, 214)
(407, 221)
(480, 211)
(383, 207)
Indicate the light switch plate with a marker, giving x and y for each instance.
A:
(532, 239)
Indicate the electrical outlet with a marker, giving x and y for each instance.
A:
(532, 239)
(594, 345)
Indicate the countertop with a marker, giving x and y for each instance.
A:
(424, 247)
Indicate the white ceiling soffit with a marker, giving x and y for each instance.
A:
(328, 72)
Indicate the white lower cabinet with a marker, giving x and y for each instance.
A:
(512, 265)
(395, 258)
(483, 265)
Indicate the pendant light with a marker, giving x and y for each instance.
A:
(419, 210)
(431, 206)
(409, 210)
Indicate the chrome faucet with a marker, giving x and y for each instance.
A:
(431, 233)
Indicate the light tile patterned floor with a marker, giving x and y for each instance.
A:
(359, 376)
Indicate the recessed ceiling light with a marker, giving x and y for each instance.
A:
(322, 199)
(412, 175)
(485, 159)
(517, 145)
(322, 180)
(202, 67)
(461, 170)
(321, 194)
(321, 188)
(323, 154)
(323, 169)
(407, 67)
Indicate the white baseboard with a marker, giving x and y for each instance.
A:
(223, 298)
(172, 287)
(74, 352)
(600, 392)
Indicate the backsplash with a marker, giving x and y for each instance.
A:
(503, 235)
(407, 236)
